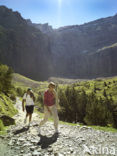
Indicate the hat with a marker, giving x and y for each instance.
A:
(51, 84)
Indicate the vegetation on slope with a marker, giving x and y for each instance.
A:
(6, 90)
(91, 102)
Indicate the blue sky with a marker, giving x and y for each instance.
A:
(62, 12)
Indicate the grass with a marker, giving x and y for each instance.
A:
(65, 80)
(106, 129)
(108, 47)
(24, 82)
(1, 126)
(3, 131)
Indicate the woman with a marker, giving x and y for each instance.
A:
(50, 100)
(29, 99)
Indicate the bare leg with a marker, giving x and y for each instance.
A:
(26, 118)
(30, 117)
(27, 115)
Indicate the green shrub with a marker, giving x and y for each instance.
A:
(97, 112)
(20, 91)
(73, 105)
(77, 106)
(13, 97)
(39, 98)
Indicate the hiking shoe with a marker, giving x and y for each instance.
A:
(39, 131)
(56, 131)
(29, 124)
(25, 121)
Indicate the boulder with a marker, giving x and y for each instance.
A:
(7, 120)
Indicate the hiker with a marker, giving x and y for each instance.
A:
(50, 106)
(29, 99)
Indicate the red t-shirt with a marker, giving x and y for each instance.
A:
(49, 98)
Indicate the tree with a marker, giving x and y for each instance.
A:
(63, 112)
(73, 104)
(82, 102)
(104, 93)
(113, 109)
(97, 112)
(105, 84)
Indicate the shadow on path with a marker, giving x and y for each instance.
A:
(24, 129)
(46, 141)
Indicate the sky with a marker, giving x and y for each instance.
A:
(59, 13)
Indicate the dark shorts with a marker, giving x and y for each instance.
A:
(29, 109)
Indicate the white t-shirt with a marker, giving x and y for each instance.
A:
(29, 100)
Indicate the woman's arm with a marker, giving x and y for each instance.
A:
(23, 101)
(33, 98)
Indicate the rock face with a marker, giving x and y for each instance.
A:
(23, 47)
(45, 28)
(85, 51)
(38, 51)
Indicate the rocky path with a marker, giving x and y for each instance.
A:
(71, 141)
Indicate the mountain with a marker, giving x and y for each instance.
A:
(45, 28)
(80, 51)
(23, 47)
(38, 51)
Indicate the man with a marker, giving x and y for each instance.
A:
(50, 108)
(29, 99)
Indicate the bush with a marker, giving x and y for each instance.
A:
(13, 94)
(40, 97)
(97, 112)
(73, 105)
(77, 106)
(13, 97)
(20, 91)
